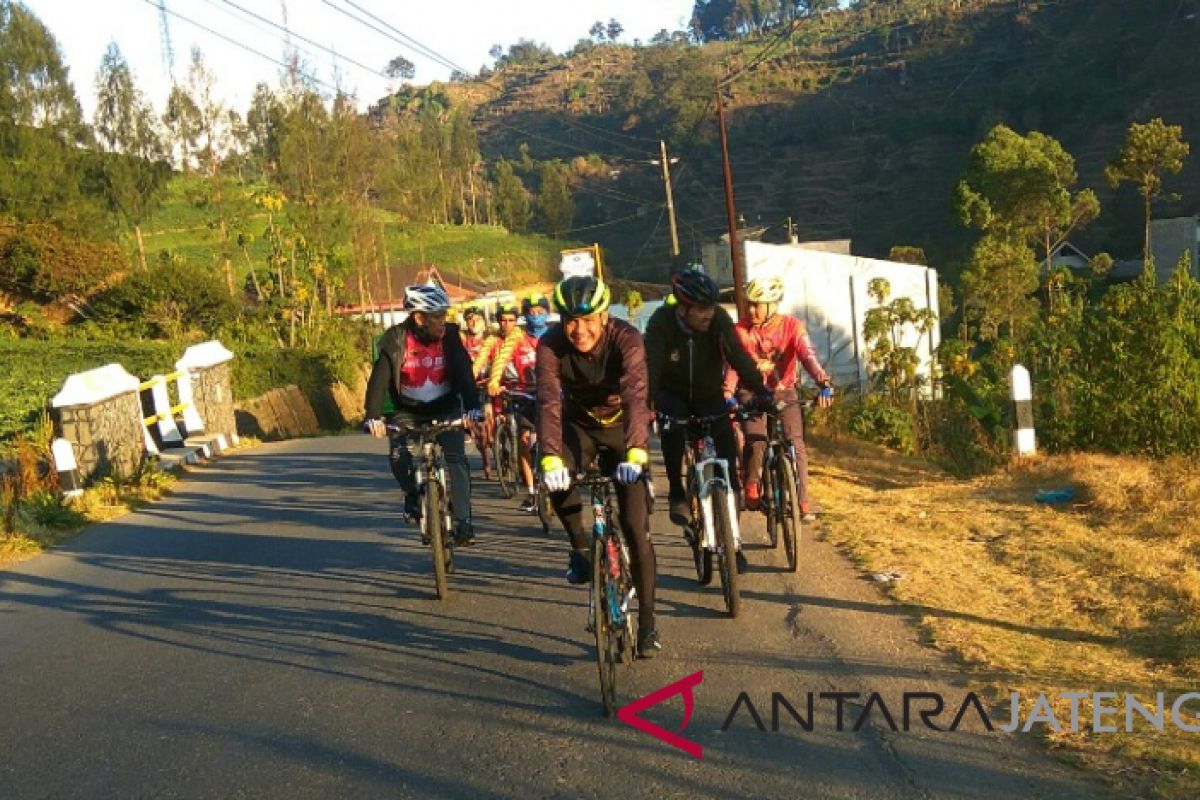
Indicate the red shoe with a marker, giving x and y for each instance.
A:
(753, 496)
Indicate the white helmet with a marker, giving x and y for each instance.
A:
(766, 289)
(429, 299)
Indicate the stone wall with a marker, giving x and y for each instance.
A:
(290, 411)
(107, 436)
(212, 392)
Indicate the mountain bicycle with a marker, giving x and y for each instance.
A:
(437, 511)
(781, 494)
(712, 529)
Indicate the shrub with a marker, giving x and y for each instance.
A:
(167, 302)
(875, 419)
(43, 262)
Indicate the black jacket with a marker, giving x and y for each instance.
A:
(385, 376)
(691, 366)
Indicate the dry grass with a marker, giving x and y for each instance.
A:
(1102, 594)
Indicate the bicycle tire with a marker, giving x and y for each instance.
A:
(506, 460)
(771, 501)
(726, 552)
(435, 523)
(789, 511)
(702, 557)
(605, 635)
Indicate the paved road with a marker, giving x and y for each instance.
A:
(269, 631)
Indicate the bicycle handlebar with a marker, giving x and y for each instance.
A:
(427, 427)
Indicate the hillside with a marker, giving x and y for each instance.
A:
(474, 254)
(859, 124)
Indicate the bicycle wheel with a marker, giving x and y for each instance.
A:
(726, 553)
(701, 555)
(432, 516)
(607, 647)
(770, 500)
(506, 460)
(789, 511)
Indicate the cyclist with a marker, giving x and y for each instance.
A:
(513, 368)
(592, 401)
(423, 365)
(689, 339)
(478, 341)
(779, 344)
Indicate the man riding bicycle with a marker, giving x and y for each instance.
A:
(513, 369)
(779, 344)
(478, 341)
(592, 402)
(423, 365)
(689, 339)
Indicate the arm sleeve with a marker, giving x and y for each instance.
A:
(807, 354)
(549, 400)
(656, 354)
(462, 377)
(731, 376)
(736, 354)
(378, 385)
(634, 388)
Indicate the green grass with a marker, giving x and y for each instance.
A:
(472, 252)
(34, 370)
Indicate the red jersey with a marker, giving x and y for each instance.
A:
(423, 377)
(779, 346)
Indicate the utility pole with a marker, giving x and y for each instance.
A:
(735, 250)
(666, 171)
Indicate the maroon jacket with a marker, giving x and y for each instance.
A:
(600, 389)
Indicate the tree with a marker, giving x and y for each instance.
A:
(1151, 150)
(597, 31)
(41, 127)
(512, 200)
(907, 254)
(998, 288)
(554, 204)
(884, 327)
(135, 171)
(1019, 188)
(182, 120)
(614, 30)
(400, 68)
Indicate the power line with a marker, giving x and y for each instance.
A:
(419, 48)
(233, 42)
(284, 28)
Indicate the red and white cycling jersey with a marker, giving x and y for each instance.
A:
(519, 371)
(423, 376)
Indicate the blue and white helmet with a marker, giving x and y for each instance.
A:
(426, 298)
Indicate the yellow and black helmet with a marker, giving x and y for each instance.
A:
(766, 289)
(581, 296)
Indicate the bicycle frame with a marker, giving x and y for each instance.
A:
(707, 472)
(618, 555)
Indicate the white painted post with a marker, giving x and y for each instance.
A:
(68, 470)
(168, 431)
(1024, 438)
(191, 416)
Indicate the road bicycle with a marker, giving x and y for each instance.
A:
(612, 590)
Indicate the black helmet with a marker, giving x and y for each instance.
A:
(508, 309)
(692, 287)
(581, 296)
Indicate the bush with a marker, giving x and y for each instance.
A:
(43, 262)
(875, 419)
(167, 302)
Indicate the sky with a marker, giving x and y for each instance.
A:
(460, 30)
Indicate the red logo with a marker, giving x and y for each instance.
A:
(629, 713)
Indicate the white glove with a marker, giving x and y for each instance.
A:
(555, 475)
(375, 427)
(628, 473)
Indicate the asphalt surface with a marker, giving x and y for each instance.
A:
(269, 630)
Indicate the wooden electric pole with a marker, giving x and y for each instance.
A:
(666, 170)
(735, 250)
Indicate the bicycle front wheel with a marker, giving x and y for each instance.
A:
(789, 511)
(726, 550)
(608, 651)
(506, 460)
(434, 520)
